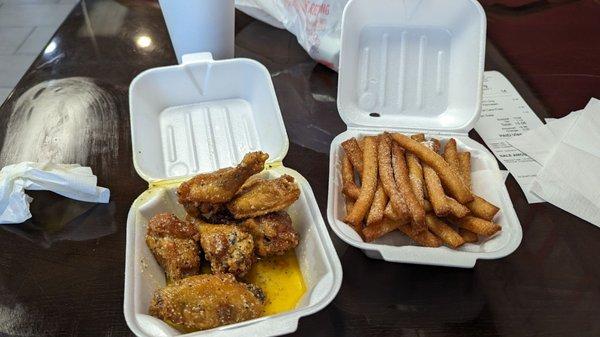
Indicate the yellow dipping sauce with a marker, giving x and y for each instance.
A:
(280, 279)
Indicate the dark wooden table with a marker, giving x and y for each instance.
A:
(61, 273)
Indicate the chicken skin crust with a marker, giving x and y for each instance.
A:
(273, 233)
(228, 248)
(173, 244)
(206, 301)
(261, 196)
(204, 192)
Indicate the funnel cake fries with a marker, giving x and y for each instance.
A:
(368, 187)
(386, 174)
(415, 208)
(350, 188)
(435, 191)
(428, 195)
(450, 178)
(354, 158)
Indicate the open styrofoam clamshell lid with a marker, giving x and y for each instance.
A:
(417, 66)
(415, 63)
(203, 115)
(197, 117)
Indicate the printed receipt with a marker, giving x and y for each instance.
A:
(504, 114)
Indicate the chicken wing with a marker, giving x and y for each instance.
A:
(207, 301)
(228, 248)
(199, 194)
(262, 196)
(173, 244)
(273, 233)
(221, 216)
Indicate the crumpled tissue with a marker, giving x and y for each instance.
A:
(70, 180)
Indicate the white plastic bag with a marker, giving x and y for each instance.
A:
(315, 23)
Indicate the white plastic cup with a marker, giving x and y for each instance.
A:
(200, 26)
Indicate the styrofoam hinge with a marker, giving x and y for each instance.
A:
(166, 182)
(274, 164)
(410, 131)
(177, 181)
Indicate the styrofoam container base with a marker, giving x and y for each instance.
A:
(396, 247)
(198, 117)
(315, 254)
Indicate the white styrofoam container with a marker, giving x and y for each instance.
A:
(416, 66)
(198, 117)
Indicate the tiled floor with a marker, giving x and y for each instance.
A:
(26, 26)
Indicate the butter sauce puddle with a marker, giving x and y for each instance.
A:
(279, 277)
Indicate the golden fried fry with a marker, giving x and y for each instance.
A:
(415, 176)
(436, 145)
(389, 213)
(451, 155)
(415, 171)
(377, 207)
(369, 185)
(433, 185)
(386, 175)
(464, 164)
(427, 206)
(349, 187)
(477, 225)
(380, 229)
(435, 191)
(482, 208)
(354, 153)
(448, 176)
(424, 238)
(467, 235)
(415, 208)
(456, 208)
(349, 205)
(445, 232)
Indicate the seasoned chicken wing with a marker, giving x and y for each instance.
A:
(220, 216)
(228, 248)
(200, 194)
(273, 233)
(262, 196)
(206, 301)
(172, 242)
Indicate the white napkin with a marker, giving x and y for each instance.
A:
(72, 181)
(539, 143)
(567, 149)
